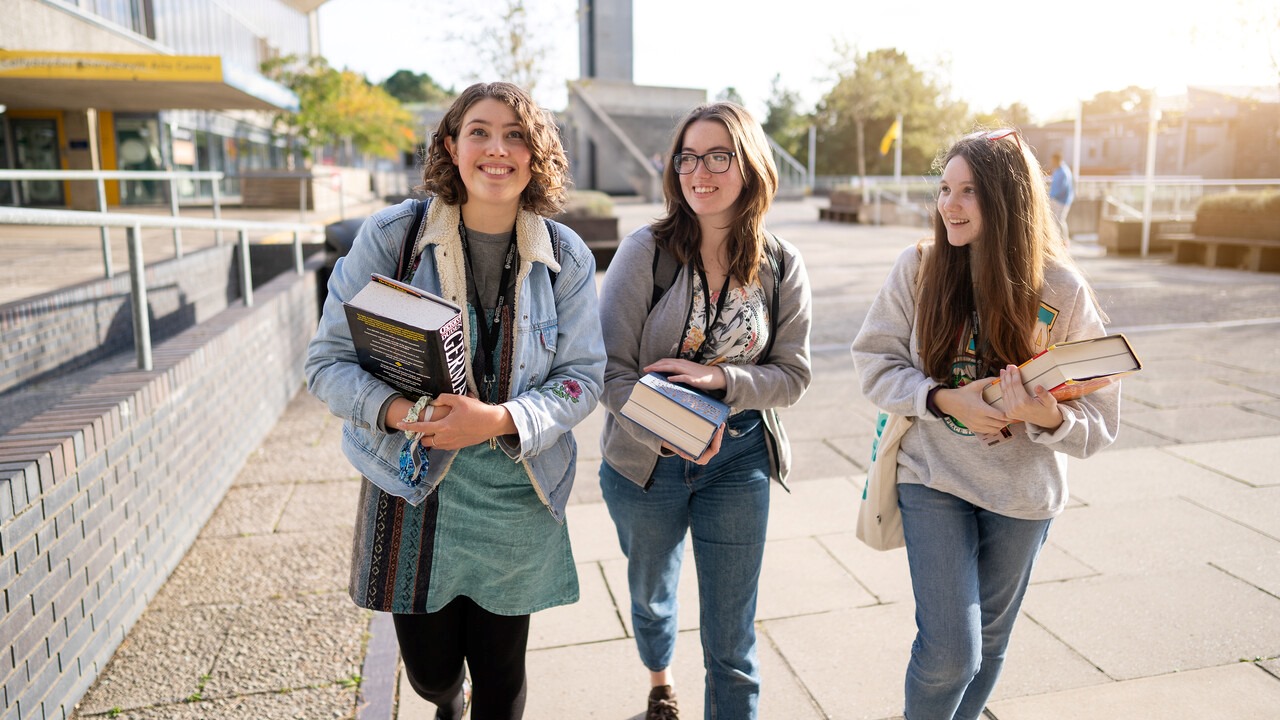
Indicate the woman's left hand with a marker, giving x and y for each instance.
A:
(688, 372)
(468, 422)
(1039, 408)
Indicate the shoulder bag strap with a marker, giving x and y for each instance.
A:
(404, 271)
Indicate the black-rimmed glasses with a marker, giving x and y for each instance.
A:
(715, 162)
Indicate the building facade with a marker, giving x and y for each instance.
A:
(142, 85)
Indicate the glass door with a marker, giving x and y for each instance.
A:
(35, 147)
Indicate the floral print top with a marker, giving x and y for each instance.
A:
(740, 333)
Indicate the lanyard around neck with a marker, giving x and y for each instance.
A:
(706, 304)
(483, 364)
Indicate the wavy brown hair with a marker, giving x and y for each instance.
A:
(1001, 273)
(678, 231)
(546, 192)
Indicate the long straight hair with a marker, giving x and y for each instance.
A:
(999, 276)
(678, 231)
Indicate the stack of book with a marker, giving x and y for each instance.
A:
(685, 418)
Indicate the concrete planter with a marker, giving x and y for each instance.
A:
(1123, 236)
(600, 234)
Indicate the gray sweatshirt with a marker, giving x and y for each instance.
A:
(1022, 477)
(634, 337)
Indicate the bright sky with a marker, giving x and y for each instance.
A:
(1046, 56)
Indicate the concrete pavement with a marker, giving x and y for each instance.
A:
(1157, 595)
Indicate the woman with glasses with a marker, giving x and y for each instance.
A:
(485, 544)
(709, 297)
(979, 487)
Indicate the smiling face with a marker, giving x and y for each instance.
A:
(958, 203)
(492, 156)
(712, 196)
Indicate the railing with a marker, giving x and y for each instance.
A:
(101, 176)
(648, 173)
(133, 225)
(791, 174)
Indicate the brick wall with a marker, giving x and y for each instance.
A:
(101, 496)
(65, 329)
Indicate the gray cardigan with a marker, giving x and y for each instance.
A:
(635, 336)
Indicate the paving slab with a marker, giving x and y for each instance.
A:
(1261, 568)
(592, 534)
(814, 507)
(1270, 409)
(800, 577)
(163, 659)
(1188, 392)
(322, 504)
(237, 570)
(1037, 662)
(1131, 538)
(1136, 474)
(851, 661)
(883, 574)
(1233, 692)
(1257, 509)
(1252, 460)
(1132, 436)
(1160, 622)
(596, 617)
(1055, 565)
(291, 644)
(248, 510)
(1188, 425)
(332, 701)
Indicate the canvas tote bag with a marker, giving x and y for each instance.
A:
(879, 521)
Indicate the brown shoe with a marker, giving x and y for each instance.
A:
(662, 704)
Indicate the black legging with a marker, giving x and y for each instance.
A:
(434, 645)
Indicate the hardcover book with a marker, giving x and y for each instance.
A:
(408, 338)
(1073, 370)
(686, 418)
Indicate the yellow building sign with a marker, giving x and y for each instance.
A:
(33, 64)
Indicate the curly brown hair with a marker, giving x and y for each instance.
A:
(548, 186)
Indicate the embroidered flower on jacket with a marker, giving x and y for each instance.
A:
(568, 389)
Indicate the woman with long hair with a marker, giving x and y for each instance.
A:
(994, 288)
(711, 298)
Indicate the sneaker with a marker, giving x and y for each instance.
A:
(662, 704)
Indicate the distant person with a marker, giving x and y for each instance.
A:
(1062, 192)
(462, 571)
(993, 288)
(733, 321)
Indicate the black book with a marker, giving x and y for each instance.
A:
(408, 338)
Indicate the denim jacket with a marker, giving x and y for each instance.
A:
(558, 354)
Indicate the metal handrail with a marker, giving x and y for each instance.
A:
(133, 225)
(101, 176)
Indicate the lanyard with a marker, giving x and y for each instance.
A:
(706, 304)
(482, 364)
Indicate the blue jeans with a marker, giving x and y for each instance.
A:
(725, 507)
(969, 571)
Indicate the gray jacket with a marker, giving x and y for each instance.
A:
(1024, 477)
(635, 336)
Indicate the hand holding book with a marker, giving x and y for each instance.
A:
(1037, 406)
(706, 455)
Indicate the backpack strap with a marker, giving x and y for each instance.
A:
(554, 232)
(659, 287)
(778, 264)
(408, 262)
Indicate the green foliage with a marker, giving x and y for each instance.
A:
(1014, 115)
(411, 87)
(871, 90)
(588, 203)
(334, 105)
(730, 94)
(785, 123)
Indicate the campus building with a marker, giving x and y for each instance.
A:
(142, 85)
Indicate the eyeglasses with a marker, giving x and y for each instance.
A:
(715, 162)
(999, 134)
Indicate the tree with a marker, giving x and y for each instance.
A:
(871, 90)
(1013, 115)
(784, 122)
(510, 46)
(334, 106)
(411, 87)
(730, 94)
